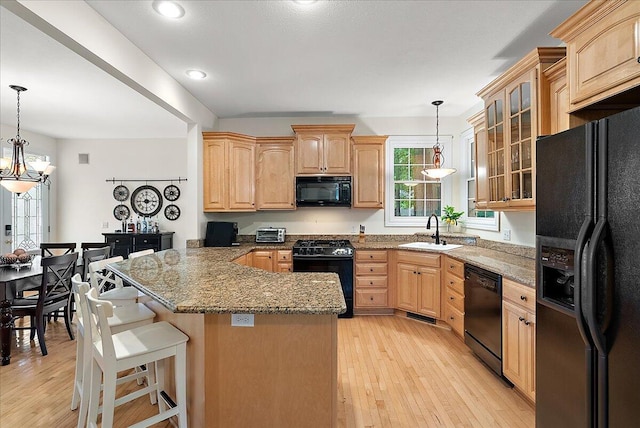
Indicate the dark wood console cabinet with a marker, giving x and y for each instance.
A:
(126, 243)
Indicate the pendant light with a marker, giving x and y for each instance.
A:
(14, 175)
(437, 171)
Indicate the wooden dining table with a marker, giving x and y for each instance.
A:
(11, 280)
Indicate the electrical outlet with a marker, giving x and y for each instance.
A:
(353, 229)
(242, 320)
(105, 225)
(506, 234)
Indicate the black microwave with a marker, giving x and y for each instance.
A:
(323, 191)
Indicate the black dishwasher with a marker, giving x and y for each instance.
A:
(483, 315)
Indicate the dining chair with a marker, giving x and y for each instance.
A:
(53, 294)
(141, 253)
(124, 318)
(48, 249)
(93, 255)
(116, 352)
(93, 245)
(109, 285)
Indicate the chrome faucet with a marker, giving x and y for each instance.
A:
(437, 235)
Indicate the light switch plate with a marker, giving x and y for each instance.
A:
(506, 234)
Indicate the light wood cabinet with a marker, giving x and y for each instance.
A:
(603, 51)
(323, 149)
(271, 260)
(418, 283)
(275, 178)
(371, 287)
(518, 336)
(454, 294)
(228, 172)
(368, 171)
(516, 112)
(559, 117)
(480, 156)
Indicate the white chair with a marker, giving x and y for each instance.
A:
(145, 345)
(102, 280)
(141, 253)
(125, 317)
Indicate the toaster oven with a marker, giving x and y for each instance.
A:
(270, 235)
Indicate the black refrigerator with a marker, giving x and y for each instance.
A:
(588, 275)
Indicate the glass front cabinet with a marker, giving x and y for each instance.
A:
(516, 113)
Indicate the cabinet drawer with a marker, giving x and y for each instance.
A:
(284, 255)
(422, 259)
(519, 294)
(371, 269)
(371, 298)
(371, 255)
(454, 267)
(454, 299)
(284, 267)
(371, 281)
(455, 283)
(455, 319)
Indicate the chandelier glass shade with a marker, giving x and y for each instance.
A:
(437, 171)
(15, 174)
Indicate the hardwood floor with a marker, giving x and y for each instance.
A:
(393, 372)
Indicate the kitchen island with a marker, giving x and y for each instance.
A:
(282, 371)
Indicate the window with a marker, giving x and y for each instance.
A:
(476, 219)
(411, 196)
(28, 212)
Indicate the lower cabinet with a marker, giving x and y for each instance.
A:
(371, 287)
(418, 283)
(519, 336)
(454, 295)
(126, 243)
(271, 260)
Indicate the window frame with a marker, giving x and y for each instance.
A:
(413, 141)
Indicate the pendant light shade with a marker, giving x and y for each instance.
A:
(437, 171)
(14, 175)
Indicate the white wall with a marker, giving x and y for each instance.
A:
(86, 200)
(343, 220)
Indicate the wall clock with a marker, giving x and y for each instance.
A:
(121, 212)
(171, 192)
(146, 200)
(120, 193)
(172, 212)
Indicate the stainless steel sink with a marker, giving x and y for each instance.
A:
(430, 246)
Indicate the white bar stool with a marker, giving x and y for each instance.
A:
(113, 353)
(102, 279)
(125, 317)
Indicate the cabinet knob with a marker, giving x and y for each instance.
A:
(521, 319)
(451, 266)
(370, 256)
(451, 282)
(419, 273)
(639, 60)
(371, 270)
(451, 318)
(523, 298)
(527, 323)
(371, 298)
(451, 298)
(370, 282)
(414, 272)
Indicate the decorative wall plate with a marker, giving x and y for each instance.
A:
(172, 212)
(146, 200)
(120, 193)
(121, 212)
(171, 192)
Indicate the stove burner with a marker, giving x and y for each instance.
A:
(323, 248)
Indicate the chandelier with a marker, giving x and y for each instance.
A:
(14, 175)
(437, 171)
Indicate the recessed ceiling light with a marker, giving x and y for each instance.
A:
(196, 74)
(168, 9)
(305, 2)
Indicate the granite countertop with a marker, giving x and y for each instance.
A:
(206, 280)
(517, 268)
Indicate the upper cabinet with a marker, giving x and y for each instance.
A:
(480, 156)
(323, 149)
(228, 172)
(275, 174)
(559, 118)
(368, 171)
(516, 112)
(603, 51)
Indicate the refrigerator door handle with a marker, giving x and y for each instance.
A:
(579, 280)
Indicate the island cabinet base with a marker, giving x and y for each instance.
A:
(282, 372)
